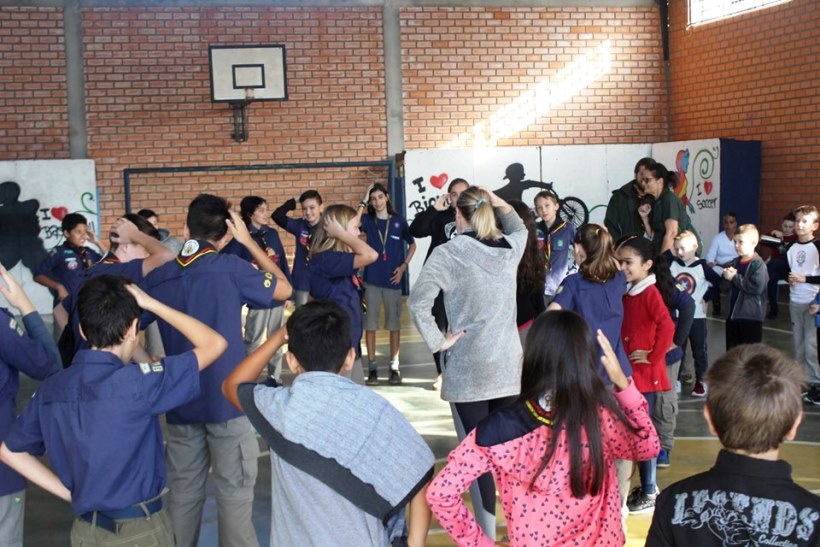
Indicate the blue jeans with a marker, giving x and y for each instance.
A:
(697, 339)
(647, 468)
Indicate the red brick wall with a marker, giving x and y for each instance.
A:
(466, 68)
(754, 76)
(148, 96)
(33, 111)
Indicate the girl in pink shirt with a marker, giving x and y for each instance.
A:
(553, 452)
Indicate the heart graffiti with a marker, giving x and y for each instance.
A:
(439, 180)
(59, 212)
(707, 185)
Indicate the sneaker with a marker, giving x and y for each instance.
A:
(772, 314)
(372, 378)
(663, 458)
(633, 495)
(700, 390)
(644, 503)
(677, 387)
(395, 378)
(813, 395)
(437, 384)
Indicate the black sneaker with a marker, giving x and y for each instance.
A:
(372, 378)
(813, 395)
(772, 314)
(644, 503)
(395, 378)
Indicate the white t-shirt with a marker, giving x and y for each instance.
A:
(804, 259)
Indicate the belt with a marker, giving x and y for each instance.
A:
(106, 519)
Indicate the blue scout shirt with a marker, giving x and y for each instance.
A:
(98, 420)
(601, 304)
(36, 355)
(268, 239)
(555, 242)
(211, 287)
(333, 277)
(67, 265)
(304, 234)
(109, 265)
(387, 237)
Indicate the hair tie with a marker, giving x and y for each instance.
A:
(479, 201)
(597, 231)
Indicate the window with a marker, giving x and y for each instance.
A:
(707, 11)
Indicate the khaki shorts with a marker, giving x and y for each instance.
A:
(376, 298)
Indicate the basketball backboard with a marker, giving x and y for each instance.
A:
(241, 73)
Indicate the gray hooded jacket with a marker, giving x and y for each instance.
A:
(478, 282)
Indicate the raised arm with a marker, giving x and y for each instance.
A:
(208, 344)
(365, 254)
(240, 232)
(250, 367)
(158, 254)
(280, 214)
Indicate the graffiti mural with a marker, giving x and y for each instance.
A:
(34, 198)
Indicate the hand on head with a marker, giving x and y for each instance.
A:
(14, 293)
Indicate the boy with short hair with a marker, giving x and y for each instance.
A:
(303, 228)
(694, 276)
(208, 432)
(99, 419)
(555, 237)
(804, 283)
(749, 278)
(748, 497)
(63, 271)
(344, 462)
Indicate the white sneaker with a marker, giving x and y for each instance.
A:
(677, 387)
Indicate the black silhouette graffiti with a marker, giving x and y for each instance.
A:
(19, 229)
(571, 209)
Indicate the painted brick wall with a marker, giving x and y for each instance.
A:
(33, 112)
(148, 95)
(754, 76)
(532, 76)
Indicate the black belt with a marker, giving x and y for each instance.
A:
(106, 519)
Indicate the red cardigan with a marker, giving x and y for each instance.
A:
(647, 325)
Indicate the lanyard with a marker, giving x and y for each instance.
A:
(383, 237)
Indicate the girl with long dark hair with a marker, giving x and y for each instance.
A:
(552, 453)
(529, 281)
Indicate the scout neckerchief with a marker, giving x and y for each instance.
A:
(261, 240)
(83, 253)
(306, 242)
(360, 289)
(192, 250)
(548, 238)
(383, 236)
(541, 409)
(110, 258)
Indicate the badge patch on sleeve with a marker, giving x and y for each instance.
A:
(15, 327)
(148, 368)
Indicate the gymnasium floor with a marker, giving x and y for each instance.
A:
(48, 520)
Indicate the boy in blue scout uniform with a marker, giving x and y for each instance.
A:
(99, 419)
(33, 352)
(303, 228)
(134, 251)
(63, 271)
(261, 322)
(209, 432)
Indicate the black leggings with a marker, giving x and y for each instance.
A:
(469, 414)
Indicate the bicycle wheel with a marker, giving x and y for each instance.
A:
(574, 211)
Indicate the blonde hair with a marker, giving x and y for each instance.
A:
(321, 241)
(474, 205)
(750, 229)
(686, 234)
(806, 210)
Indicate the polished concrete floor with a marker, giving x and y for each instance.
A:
(48, 519)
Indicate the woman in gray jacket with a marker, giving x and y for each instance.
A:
(476, 271)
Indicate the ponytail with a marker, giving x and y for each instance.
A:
(600, 265)
(474, 205)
